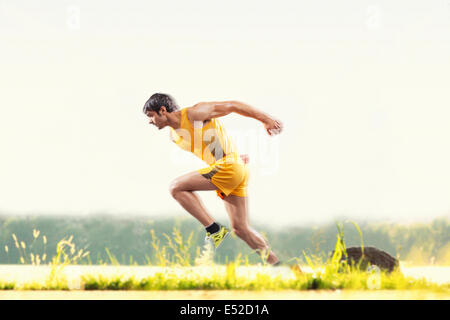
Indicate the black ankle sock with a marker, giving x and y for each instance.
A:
(215, 227)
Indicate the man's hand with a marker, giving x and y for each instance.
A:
(273, 126)
(245, 158)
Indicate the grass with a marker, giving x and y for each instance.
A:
(261, 281)
(227, 278)
(7, 285)
(181, 271)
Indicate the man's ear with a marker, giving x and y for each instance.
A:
(162, 110)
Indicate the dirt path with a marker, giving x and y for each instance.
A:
(221, 295)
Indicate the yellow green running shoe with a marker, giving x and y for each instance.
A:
(217, 238)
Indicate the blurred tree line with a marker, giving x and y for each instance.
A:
(129, 240)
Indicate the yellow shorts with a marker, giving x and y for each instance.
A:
(230, 176)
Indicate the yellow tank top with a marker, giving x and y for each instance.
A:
(208, 141)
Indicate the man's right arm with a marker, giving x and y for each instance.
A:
(272, 125)
(206, 110)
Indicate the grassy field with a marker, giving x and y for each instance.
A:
(218, 282)
(178, 276)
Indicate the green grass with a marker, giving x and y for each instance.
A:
(351, 281)
(333, 274)
(176, 261)
(227, 278)
(7, 285)
(355, 280)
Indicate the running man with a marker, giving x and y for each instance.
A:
(197, 129)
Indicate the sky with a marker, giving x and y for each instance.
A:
(362, 88)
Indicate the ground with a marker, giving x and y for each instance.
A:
(224, 295)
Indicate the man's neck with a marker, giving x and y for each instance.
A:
(174, 119)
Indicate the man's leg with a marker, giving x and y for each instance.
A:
(182, 189)
(237, 208)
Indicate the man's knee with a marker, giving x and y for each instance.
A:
(175, 188)
(241, 231)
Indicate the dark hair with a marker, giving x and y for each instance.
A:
(158, 100)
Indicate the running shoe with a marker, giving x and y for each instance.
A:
(217, 238)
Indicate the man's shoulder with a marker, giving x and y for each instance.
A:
(197, 109)
(192, 114)
(188, 111)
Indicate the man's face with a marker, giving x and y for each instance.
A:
(158, 120)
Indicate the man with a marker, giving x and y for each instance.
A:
(197, 129)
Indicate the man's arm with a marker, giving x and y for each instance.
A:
(204, 111)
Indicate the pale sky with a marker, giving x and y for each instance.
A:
(361, 86)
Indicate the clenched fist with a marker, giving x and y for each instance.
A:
(245, 158)
(273, 126)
